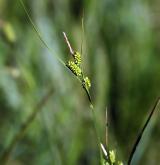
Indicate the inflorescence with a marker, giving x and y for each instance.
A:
(110, 157)
(75, 66)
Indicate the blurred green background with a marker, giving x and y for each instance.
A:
(121, 56)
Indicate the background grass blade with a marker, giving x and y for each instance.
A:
(6, 155)
(139, 137)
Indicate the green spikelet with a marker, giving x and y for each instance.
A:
(87, 82)
(112, 156)
(74, 68)
(77, 58)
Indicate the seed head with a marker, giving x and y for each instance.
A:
(87, 82)
(120, 163)
(74, 68)
(77, 57)
(112, 156)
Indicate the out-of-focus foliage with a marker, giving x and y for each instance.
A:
(121, 56)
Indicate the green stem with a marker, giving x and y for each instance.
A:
(96, 132)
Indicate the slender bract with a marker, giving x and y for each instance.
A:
(39, 34)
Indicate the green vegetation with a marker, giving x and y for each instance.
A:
(45, 116)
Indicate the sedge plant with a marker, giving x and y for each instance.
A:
(107, 156)
(74, 65)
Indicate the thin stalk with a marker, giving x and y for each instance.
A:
(82, 34)
(139, 137)
(39, 34)
(106, 128)
(82, 39)
(97, 132)
(106, 149)
(88, 94)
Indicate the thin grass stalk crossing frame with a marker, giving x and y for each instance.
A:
(139, 137)
(39, 34)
